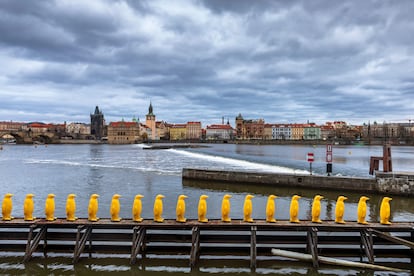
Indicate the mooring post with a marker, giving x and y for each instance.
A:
(253, 248)
(367, 244)
(32, 244)
(195, 246)
(312, 245)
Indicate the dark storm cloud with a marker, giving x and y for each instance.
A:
(284, 61)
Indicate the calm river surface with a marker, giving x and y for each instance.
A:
(129, 170)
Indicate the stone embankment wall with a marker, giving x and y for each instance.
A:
(356, 184)
(396, 183)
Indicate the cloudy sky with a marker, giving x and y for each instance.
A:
(283, 61)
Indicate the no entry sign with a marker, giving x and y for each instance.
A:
(310, 157)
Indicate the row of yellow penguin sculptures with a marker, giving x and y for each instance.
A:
(385, 210)
(202, 208)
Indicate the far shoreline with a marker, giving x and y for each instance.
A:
(237, 142)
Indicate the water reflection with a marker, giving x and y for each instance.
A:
(106, 265)
(94, 174)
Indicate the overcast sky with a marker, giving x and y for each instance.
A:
(283, 61)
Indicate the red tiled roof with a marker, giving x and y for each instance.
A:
(123, 124)
(219, 127)
(330, 127)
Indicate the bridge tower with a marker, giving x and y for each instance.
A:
(97, 124)
(150, 122)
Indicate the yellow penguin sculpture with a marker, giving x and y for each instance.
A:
(28, 207)
(115, 208)
(385, 211)
(93, 208)
(271, 208)
(137, 208)
(50, 207)
(7, 207)
(180, 209)
(294, 209)
(225, 208)
(248, 209)
(362, 209)
(202, 209)
(158, 208)
(340, 209)
(316, 209)
(71, 208)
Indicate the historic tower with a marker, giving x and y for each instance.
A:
(150, 122)
(97, 124)
(239, 126)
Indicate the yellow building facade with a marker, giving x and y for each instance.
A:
(123, 132)
(298, 131)
(178, 132)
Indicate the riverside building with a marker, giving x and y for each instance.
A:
(123, 132)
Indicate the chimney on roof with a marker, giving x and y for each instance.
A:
(222, 120)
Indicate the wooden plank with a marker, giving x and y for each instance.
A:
(81, 240)
(333, 261)
(253, 247)
(367, 244)
(137, 242)
(106, 223)
(312, 245)
(13, 235)
(33, 242)
(45, 237)
(195, 246)
(393, 239)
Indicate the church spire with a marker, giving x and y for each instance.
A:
(150, 111)
(97, 110)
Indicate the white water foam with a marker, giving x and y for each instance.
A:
(106, 166)
(140, 146)
(246, 165)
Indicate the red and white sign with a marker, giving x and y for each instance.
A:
(310, 157)
(329, 153)
(329, 148)
(329, 157)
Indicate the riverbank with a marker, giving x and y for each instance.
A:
(401, 184)
(80, 142)
(244, 142)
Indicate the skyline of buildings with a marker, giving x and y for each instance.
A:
(121, 132)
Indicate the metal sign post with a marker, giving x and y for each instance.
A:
(329, 159)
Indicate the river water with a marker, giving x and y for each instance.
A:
(129, 170)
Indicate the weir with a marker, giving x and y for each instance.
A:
(251, 242)
(385, 183)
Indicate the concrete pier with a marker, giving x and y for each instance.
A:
(395, 184)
